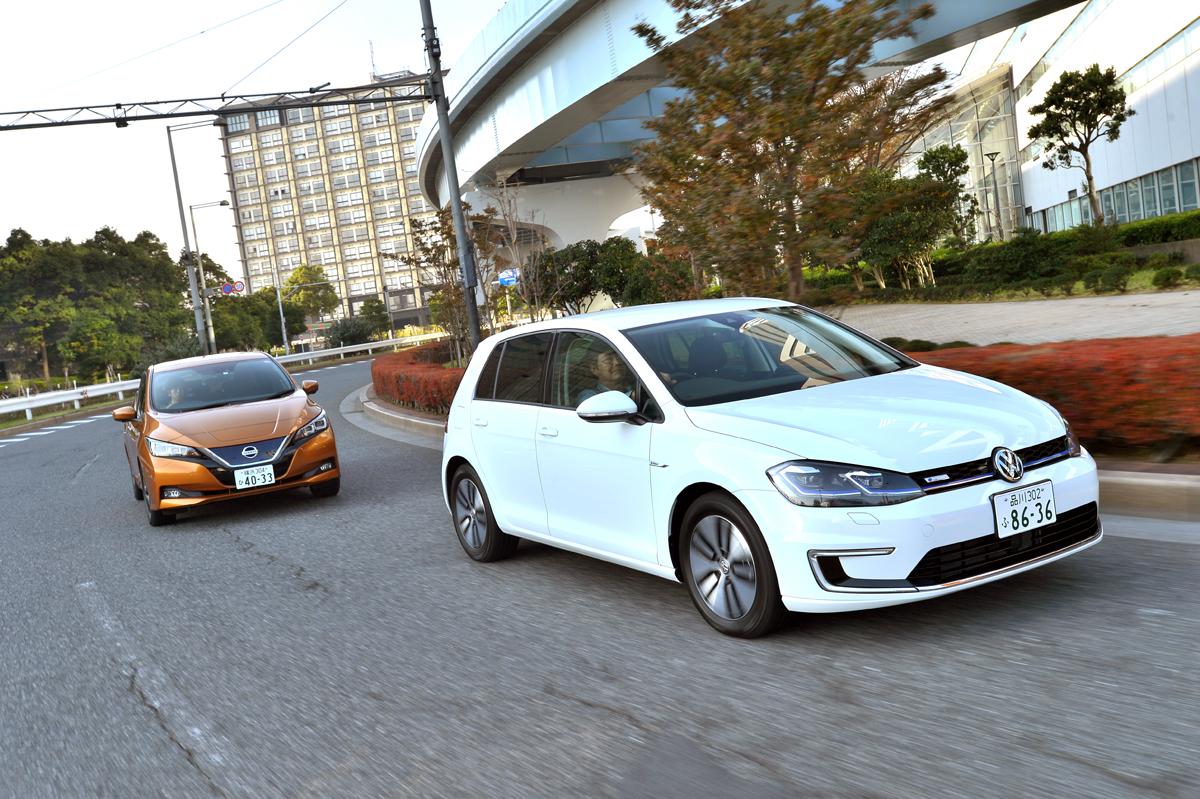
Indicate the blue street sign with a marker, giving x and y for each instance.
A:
(508, 277)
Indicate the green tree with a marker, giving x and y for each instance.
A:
(309, 289)
(753, 169)
(94, 345)
(1079, 109)
(351, 330)
(374, 313)
(266, 306)
(239, 323)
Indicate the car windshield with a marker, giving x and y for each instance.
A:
(741, 354)
(211, 385)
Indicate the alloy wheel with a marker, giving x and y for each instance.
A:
(723, 569)
(470, 513)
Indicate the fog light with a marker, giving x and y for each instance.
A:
(171, 493)
(326, 466)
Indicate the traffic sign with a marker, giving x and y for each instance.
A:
(226, 288)
(239, 286)
(509, 277)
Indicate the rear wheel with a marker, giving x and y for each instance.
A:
(329, 488)
(727, 568)
(477, 531)
(157, 518)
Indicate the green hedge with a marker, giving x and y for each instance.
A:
(1173, 227)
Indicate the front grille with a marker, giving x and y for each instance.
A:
(989, 552)
(962, 474)
(234, 457)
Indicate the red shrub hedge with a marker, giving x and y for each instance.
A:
(1123, 391)
(416, 378)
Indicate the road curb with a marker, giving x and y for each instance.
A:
(1174, 497)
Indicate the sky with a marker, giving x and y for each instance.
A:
(71, 181)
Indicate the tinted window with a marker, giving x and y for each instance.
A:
(485, 388)
(741, 354)
(519, 378)
(211, 385)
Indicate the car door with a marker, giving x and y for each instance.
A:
(503, 414)
(594, 475)
(133, 429)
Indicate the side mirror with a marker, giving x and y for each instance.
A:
(309, 386)
(124, 414)
(611, 406)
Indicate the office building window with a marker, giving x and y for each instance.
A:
(418, 204)
(248, 197)
(284, 228)
(282, 209)
(410, 170)
(1150, 196)
(334, 111)
(343, 145)
(389, 211)
(348, 198)
(408, 134)
(289, 244)
(366, 286)
(408, 151)
(259, 249)
(298, 115)
(380, 174)
(270, 138)
(312, 186)
(1119, 201)
(351, 216)
(390, 228)
(237, 122)
(385, 193)
(374, 139)
(316, 222)
(274, 157)
(307, 169)
(258, 266)
(347, 180)
(251, 232)
(1188, 200)
(322, 257)
(251, 214)
(241, 162)
(311, 150)
(393, 247)
(357, 250)
(343, 162)
(276, 174)
(278, 192)
(354, 234)
(289, 262)
(323, 239)
(331, 273)
(314, 204)
(335, 126)
(413, 188)
(372, 120)
(302, 134)
(266, 118)
(245, 179)
(380, 157)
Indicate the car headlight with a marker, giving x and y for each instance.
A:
(311, 429)
(836, 485)
(1073, 447)
(163, 449)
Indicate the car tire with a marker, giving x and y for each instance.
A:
(727, 568)
(157, 518)
(138, 494)
(329, 488)
(474, 523)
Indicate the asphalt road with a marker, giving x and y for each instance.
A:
(290, 646)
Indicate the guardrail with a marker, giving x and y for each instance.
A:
(77, 395)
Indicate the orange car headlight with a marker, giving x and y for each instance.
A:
(311, 429)
(163, 449)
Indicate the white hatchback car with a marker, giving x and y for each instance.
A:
(764, 455)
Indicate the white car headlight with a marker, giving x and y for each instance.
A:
(835, 485)
(1073, 446)
(312, 428)
(163, 449)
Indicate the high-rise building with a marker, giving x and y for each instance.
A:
(334, 186)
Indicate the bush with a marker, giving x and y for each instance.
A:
(1084, 264)
(1114, 278)
(1045, 285)
(1167, 277)
(1173, 227)
(1065, 283)
(1091, 281)
(414, 378)
(1192, 272)
(1128, 392)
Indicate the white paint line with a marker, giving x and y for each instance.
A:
(14, 440)
(209, 751)
(80, 421)
(56, 428)
(101, 416)
(41, 433)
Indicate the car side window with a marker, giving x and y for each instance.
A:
(520, 375)
(485, 387)
(139, 402)
(584, 365)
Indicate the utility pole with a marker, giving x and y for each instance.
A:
(466, 255)
(287, 348)
(210, 332)
(197, 308)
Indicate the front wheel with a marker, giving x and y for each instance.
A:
(727, 568)
(480, 536)
(329, 488)
(157, 518)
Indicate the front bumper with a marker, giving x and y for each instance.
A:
(204, 481)
(835, 559)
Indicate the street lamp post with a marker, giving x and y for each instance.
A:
(208, 322)
(287, 348)
(197, 308)
(996, 194)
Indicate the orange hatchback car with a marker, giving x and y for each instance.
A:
(212, 428)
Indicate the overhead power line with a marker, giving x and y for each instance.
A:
(286, 46)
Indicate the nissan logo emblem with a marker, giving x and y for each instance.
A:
(249, 453)
(1008, 464)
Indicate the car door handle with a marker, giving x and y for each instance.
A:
(548, 431)
(480, 422)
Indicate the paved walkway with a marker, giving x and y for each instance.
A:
(1172, 313)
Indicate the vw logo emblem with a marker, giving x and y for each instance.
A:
(249, 453)
(1008, 464)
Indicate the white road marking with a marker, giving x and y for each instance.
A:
(101, 416)
(41, 433)
(14, 440)
(56, 428)
(211, 753)
(80, 421)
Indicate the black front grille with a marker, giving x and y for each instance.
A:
(265, 451)
(989, 552)
(961, 474)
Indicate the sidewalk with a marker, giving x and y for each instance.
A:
(1168, 313)
(1127, 488)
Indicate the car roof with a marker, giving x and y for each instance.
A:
(617, 319)
(221, 357)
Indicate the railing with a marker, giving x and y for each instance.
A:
(82, 393)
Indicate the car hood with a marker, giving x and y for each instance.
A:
(235, 424)
(916, 419)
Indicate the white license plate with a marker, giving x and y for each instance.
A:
(254, 476)
(1025, 508)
